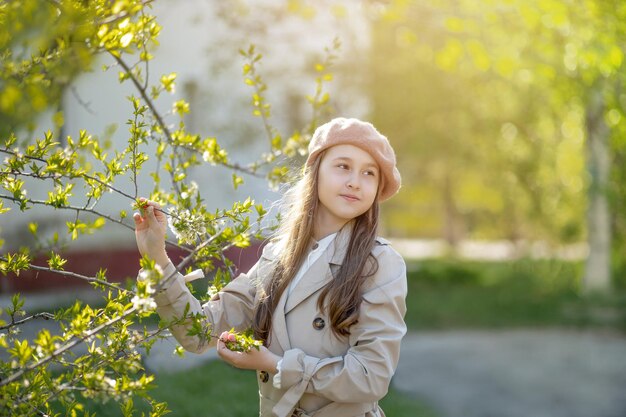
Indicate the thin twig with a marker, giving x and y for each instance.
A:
(45, 316)
(92, 280)
(154, 111)
(83, 103)
(145, 97)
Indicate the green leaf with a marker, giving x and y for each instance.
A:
(128, 408)
(168, 82)
(56, 262)
(260, 210)
(181, 107)
(21, 351)
(237, 181)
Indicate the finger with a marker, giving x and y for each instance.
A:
(138, 220)
(150, 216)
(224, 336)
(159, 215)
(232, 337)
(154, 204)
(222, 349)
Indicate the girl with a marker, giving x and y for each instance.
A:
(327, 297)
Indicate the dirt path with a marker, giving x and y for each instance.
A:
(523, 373)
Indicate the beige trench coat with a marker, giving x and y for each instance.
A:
(321, 375)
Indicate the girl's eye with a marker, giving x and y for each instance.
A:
(372, 173)
(342, 166)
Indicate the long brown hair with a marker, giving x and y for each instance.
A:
(341, 297)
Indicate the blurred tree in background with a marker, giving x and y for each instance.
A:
(42, 51)
(512, 112)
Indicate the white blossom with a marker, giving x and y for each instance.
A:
(110, 382)
(151, 275)
(144, 304)
(187, 227)
(191, 190)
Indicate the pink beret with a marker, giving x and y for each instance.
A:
(342, 131)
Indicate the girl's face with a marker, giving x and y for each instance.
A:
(348, 180)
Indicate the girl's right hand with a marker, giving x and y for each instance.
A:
(150, 228)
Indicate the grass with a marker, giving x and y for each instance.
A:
(445, 294)
(219, 390)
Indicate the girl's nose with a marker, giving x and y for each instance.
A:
(353, 182)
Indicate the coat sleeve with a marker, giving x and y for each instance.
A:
(232, 307)
(364, 373)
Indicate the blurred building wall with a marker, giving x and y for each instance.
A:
(200, 42)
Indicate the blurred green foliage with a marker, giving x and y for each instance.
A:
(486, 103)
(38, 60)
(44, 45)
(445, 294)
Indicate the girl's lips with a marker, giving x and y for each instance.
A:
(349, 197)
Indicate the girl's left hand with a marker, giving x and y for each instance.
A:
(261, 360)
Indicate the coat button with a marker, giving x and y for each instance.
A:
(318, 323)
(264, 376)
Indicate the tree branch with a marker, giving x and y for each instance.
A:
(94, 212)
(150, 104)
(68, 385)
(91, 280)
(64, 207)
(45, 316)
(84, 175)
(13, 377)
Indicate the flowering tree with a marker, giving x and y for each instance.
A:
(44, 45)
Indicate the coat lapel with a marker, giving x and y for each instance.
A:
(316, 277)
(279, 334)
(279, 325)
(320, 273)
